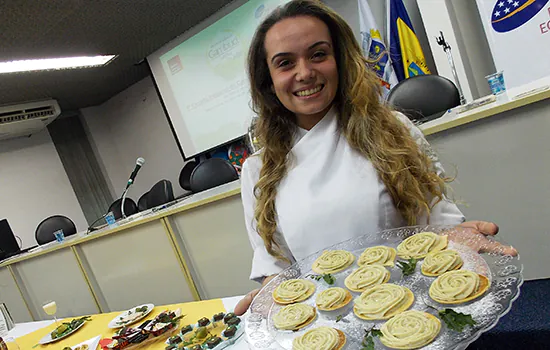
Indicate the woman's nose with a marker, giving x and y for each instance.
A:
(305, 71)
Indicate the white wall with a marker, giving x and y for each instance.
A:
(34, 185)
(132, 124)
(350, 11)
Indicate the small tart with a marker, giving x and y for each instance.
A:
(383, 301)
(366, 277)
(378, 255)
(294, 316)
(320, 338)
(440, 262)
(293, 291)
(419, 245)
(332, 261)
(410, 330)
(460, 286)
(333, 299)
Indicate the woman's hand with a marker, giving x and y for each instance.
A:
(245, 302)
(473, 235)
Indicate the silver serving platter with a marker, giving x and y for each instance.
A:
(504, 272)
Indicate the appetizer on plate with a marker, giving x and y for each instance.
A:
(333, 299)
(383, 301)
(293, 291)
(419, 245)
(378, 255)
(440, 262)
(367, 276)
(320, 338)
(332, 261)
(460, 286)
(410, 330)
(294, 316)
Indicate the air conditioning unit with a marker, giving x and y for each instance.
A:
(25, 119)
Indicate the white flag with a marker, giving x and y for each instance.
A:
(374, 48)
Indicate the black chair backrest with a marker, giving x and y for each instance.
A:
(44, 231)
(142, 202)
(424, 96)
(211, 173)
(185, 175)
(130, 208)
(161, 193)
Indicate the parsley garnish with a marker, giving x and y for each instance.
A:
(368, 339)
(327, 277)
(407, 267)
(456, 320)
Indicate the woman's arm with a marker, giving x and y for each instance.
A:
(263, 264)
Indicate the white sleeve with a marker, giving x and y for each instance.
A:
(445, 212)
(263, 264)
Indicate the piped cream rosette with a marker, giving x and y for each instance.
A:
(438, 263)
(332, 299)
(378, 255)
(455, 287)
(410, 330)
(321, 338)
(383, 301)
(294, 316)
(293, 291)
(367, 276)
(419, 245)
(332, 261)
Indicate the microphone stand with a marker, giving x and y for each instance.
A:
(123, 199)
(447, 48)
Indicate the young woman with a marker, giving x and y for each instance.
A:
(336, 162)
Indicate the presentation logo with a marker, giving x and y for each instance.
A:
(510, 14)
(224, 54)
(174, 64)
(259, 11)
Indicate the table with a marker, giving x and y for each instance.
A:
(526, 326)
(23, 329)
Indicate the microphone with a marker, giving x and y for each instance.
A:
(139, 163)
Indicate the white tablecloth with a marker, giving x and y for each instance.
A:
(22, 329)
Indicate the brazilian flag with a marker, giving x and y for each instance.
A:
(405, 51)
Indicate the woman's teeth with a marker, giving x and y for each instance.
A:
(309, 92)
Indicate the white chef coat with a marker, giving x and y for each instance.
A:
(331, 193)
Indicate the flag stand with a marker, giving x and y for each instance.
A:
(447, 48)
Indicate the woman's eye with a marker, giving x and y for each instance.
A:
(319, 54)
(283, 63)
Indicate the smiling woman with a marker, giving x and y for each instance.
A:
(335, 162)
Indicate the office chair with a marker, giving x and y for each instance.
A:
(424, 97)
(185, 175)
(211, 173)
(161, 193)
(44, 231)
(130, 208)
(142, 202)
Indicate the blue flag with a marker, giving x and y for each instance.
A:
(405, 51)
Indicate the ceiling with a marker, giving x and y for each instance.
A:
(131, 29)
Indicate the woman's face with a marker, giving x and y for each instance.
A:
(300, 57)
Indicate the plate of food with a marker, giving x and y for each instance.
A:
(217, 333)
(130, 316)
(419, 287)
(165, 323)
(64, 330)
(90, 344)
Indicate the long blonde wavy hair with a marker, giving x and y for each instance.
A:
(369, 126)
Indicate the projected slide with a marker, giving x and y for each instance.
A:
(202, 80)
